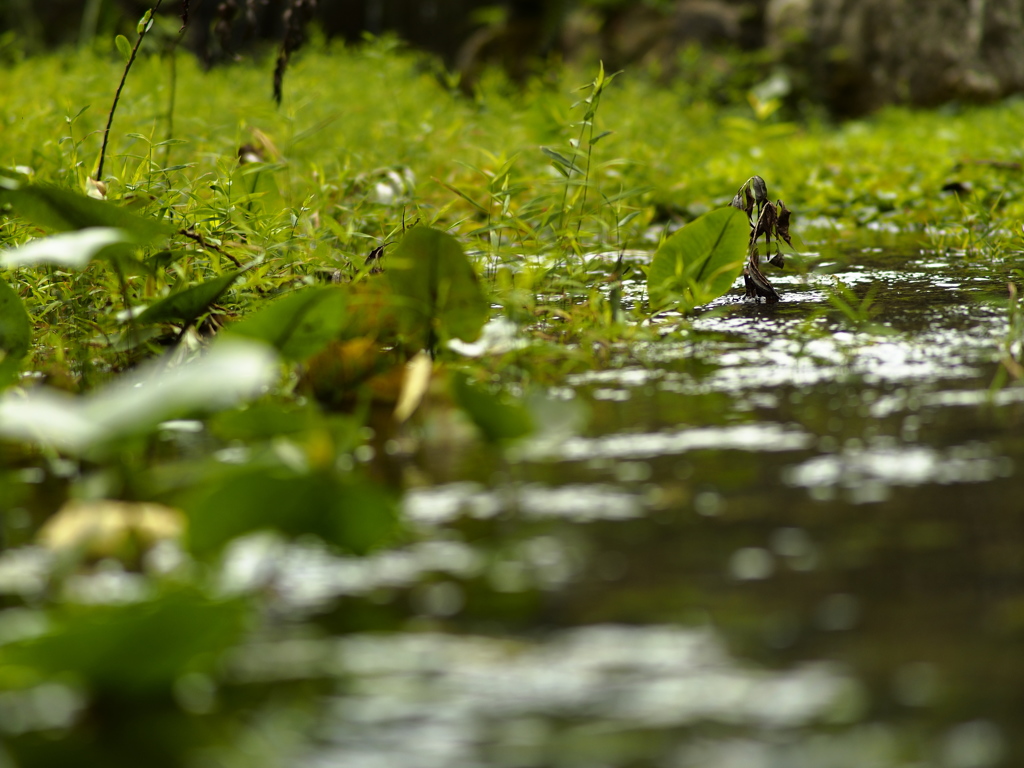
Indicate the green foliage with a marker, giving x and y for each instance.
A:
(300, 324)
(499, 419)
(700, 262)
(438, 296)
(15, 333)
(65, 211)
(97, 423)
(123, 47)
(129, 650)
(350, 513)
(187, 305)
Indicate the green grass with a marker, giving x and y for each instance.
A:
(350, 113)
(372, 138)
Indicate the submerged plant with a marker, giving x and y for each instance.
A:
(772, 221)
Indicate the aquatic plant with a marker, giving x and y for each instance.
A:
(771, 221)
(698, 263)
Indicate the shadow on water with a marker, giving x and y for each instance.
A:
(785, 539)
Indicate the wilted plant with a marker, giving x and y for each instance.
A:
(772, 221)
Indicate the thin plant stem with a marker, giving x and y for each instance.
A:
(120, 86)
(172, 95)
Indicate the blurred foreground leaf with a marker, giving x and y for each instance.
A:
(66, 211)
(72, 249)
(498, 419)
(136, 403)
(15, 333)
(351, 513)
(185, 306)
(127, 650)
(439, 297)
(299, 324)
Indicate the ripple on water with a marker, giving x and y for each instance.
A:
(880, 467)
(468, 700)
(578, 502)
(645, 445)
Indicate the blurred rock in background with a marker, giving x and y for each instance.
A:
(857, 55)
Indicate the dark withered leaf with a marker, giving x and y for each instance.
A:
(744, 200)
(184, 16)
(374, 259)
(778, 260)
(782, 227)
(760, 189)
(766, 222)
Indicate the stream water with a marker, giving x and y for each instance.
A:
(775, 537)
(780, 541)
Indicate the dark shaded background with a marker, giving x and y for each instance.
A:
(852, 56)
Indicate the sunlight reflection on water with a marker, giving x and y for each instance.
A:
(469, 700)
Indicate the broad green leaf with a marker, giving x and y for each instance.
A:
(438, 295)
(15, 333)
(701, 261)
(71, 249)
(263, 420)
(65, 211)
(94, 424)
(498, 419)
(132, 649)
(123, 46)
(185, 306)
(350, 513)
(300, 324)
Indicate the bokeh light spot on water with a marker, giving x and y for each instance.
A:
(45, 707)
(708, 503)
(837, 612)
(916, 684)
(751, 564)
(796, 546)
(443, 598)
(976, 744)
(476, 698)
(867, 472)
